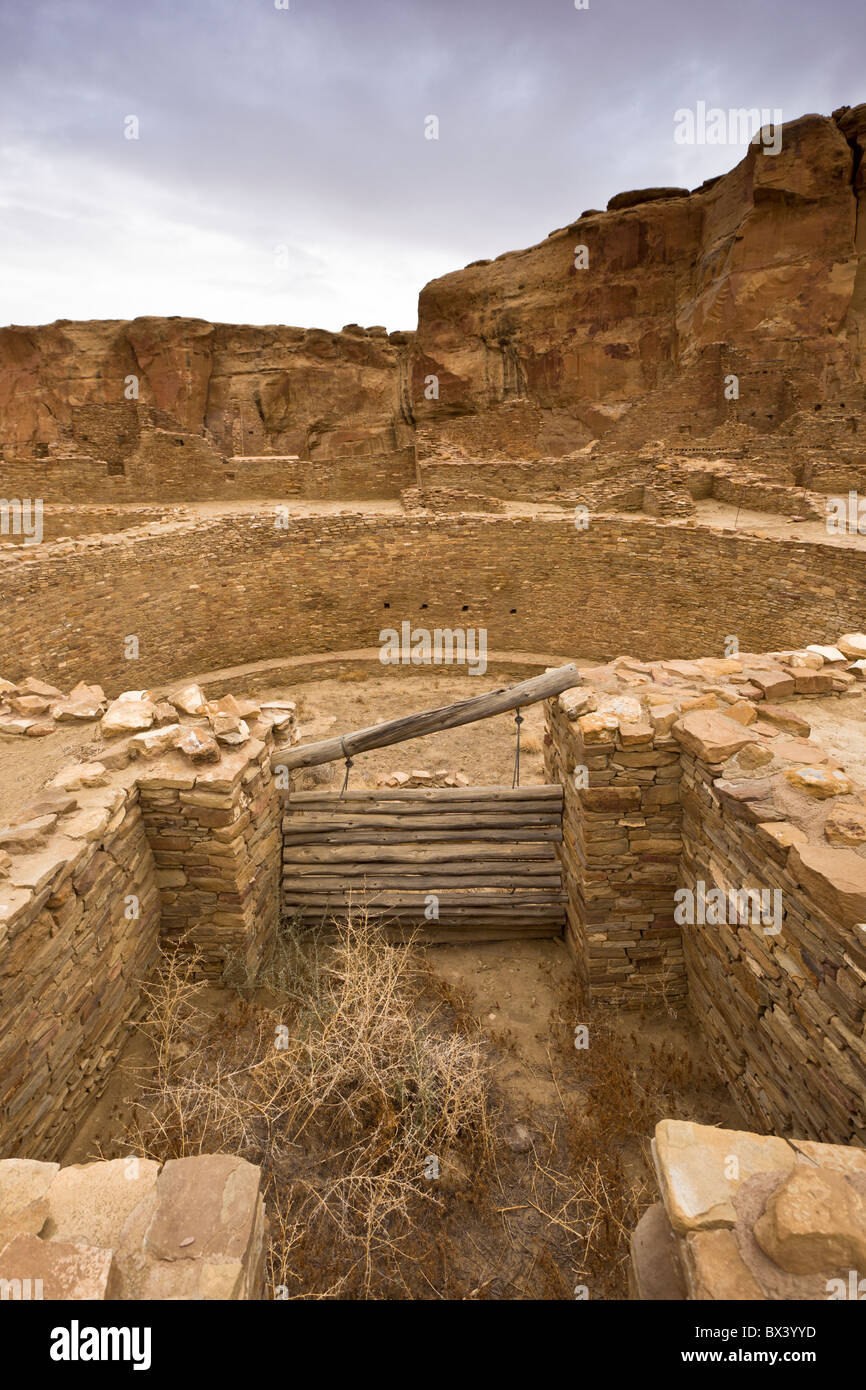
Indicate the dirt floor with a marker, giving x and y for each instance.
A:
(550, 1214)
(483, 752)
(840, 727)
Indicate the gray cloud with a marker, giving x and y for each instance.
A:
(282, 174)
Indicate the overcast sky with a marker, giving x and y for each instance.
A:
(282, 174)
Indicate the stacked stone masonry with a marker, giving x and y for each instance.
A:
(632, 584)
(711, 847)
(172, 840)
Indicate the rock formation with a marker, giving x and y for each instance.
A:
(759, 274)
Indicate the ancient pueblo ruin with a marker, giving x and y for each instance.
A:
(433, 848)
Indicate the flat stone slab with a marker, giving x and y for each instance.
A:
(92, 1202)
(58, 1270)
(205, 1206)
(700, 1168)
(712, 737)
(655, 1263)
(835, 878)
(716, 1269)
(24, 1184)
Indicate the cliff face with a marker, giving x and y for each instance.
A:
(274, 390)
(759, 274)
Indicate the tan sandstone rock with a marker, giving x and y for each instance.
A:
(853, 645)
(700, 1168)
(190, 700)
(835, 878)
(712, 737)
(846, 825)
(60, 1270)
(90, 1203)
(814, 1221)
(23, 1202)
(129, 713)
(819, 782)
(199, 745)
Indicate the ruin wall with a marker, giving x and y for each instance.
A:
(79, 925)
(238, 589)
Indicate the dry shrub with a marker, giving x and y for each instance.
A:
(593, 1175)
(337, 1072)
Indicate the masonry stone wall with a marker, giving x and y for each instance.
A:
(216, 841)
(79, 925)
(621, 843)
(783, 1010)
(696, 789)
(107, 865)
(332, 583)
(166, 466)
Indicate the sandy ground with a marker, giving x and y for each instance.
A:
(840, 727)
(107, 519)
(483, 752)
(513, 990)
(26, 764)
(771, 525)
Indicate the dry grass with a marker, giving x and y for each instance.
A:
(593, 1174)
(531, 743)
(347, 1086)
(348, 1065)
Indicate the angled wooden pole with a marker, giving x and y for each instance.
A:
(430, 721)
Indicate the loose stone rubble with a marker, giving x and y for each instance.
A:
(420, 777)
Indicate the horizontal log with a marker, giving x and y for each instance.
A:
(431, 721)
(430, 883)
(527, 835)
(449, 900)
(471, 852)
(346, 810)
(424, 810)
(462, 821)
(553, 912)
(378, 876)
(439, 934)
(544, 791)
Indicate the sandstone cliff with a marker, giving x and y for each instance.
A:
(272, 389)
(759, 274)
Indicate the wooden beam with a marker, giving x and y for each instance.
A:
(430, 721)
(545, 791)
